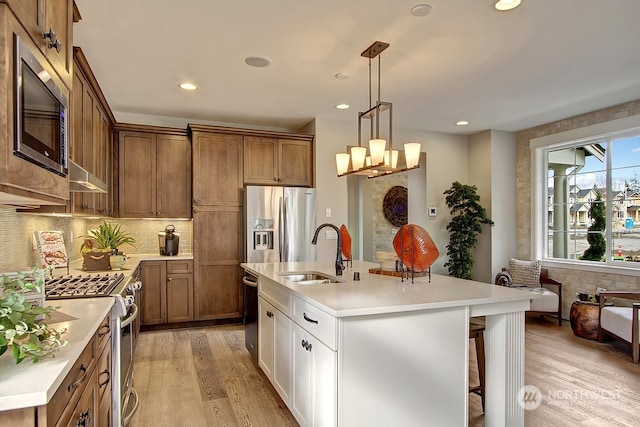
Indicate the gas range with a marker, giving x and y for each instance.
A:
(84, 286)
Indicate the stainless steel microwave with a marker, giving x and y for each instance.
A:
(41, 112)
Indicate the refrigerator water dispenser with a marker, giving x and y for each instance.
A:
(262, 240)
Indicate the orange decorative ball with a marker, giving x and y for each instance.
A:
(415, 248)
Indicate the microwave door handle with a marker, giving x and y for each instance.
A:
(127, 321)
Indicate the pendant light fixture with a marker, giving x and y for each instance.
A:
(380, 158)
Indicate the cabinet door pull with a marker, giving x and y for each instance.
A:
(85, 419)
(75, 385)
(104, 330)
(304, 344)
(308, 319)
(105, 382)
(309, 347)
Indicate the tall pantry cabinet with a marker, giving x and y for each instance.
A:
(217, 222)
(224, 160)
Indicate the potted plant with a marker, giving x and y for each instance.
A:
(20, 327)
(466, 223)
(108, 238)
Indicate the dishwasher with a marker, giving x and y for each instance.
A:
(250, 292)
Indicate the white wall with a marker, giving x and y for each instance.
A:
(492, 169)
(446, 162)
(480, 176)
(332, 136)
(503, 199)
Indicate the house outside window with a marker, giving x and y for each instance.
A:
(581, 174)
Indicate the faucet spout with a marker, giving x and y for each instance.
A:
(339, 263)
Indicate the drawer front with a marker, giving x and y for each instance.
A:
(103, 369)
(180, 266)
(72, 387)
(275, 294)
(103, 333)
(315, 321)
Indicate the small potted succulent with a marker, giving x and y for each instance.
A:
(108, 238)
(21, 329)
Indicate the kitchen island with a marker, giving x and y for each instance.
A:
(380, 351)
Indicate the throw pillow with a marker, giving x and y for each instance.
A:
(525, 273)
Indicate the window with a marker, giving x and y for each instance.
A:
(592, 200)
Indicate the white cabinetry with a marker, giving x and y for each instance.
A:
(296, 351)
(313, 398)
(274, 347)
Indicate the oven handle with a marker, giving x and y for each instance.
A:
(127, 321)
(126, 418)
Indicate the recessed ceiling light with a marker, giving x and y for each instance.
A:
(507, 4)
(342, 76)
(188, 86)
(258, 61)
(462, 123)
(342, 106)
(421, 10)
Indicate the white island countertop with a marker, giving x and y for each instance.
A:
(32, 384)
(377, 294)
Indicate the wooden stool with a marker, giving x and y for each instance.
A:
(476, 332)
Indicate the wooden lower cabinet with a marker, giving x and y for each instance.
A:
(83, 398)
(217, 252)
(167, 292)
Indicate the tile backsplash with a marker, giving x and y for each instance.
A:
(16, 235)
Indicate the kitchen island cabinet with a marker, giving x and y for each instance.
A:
(274, 347)
(400, 349)
(76, 382)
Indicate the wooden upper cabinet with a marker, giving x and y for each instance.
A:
(274, 161)
(217, 169)
(155, 175)
(173, 170)
(41, 16)
(295, 162)
(260, 161)
(91, 137)
(137, 175)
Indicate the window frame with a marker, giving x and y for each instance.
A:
(539, 148)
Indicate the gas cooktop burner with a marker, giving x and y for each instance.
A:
(82, 286)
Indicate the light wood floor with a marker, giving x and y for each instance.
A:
(205, 377)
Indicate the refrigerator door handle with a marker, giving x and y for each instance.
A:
(284, 244)
(281, 228)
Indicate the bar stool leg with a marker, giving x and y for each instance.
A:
(479, 339)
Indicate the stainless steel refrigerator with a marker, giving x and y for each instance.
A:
(280, 222)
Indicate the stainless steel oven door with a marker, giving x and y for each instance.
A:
(127, 392)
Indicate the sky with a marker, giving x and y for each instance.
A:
(625, 162)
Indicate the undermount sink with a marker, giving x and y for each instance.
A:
(308, 278)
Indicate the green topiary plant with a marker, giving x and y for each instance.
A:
(466, 223)
(19, 328)
(597, 245)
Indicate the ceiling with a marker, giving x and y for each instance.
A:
(543, 61)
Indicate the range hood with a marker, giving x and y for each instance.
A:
(82, 181)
